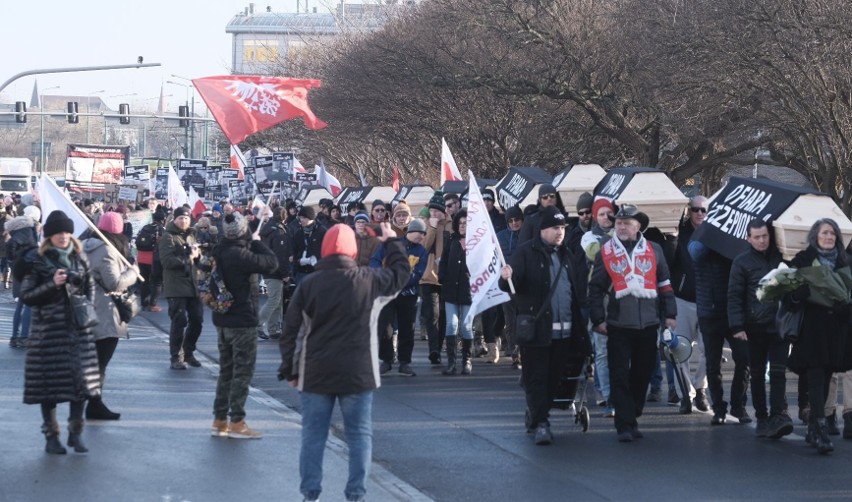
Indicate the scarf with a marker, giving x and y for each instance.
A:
(63, 255)
(632, 273)
(827, 258)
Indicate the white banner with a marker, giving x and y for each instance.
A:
(52, 198)
(483, 255)
(177, 195)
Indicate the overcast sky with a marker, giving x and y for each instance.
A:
(186, 36)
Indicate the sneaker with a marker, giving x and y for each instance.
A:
(673, 399)
(543, 435)
(262, 335)
(178, 365)
(241, 430)
(741, 415)
(384, 368)
(192, 361)
(655, 395)
(609, 412)
(405, 369)
(700, 402)
(601, 403)
(155, 309)
(625, 436)
(778, 426)
(219, 429)
(762, 428)
(719, 418)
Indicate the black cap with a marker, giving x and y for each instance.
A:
(551, 216)
(488, 194)
(181, 211)
(308, 212)
(546, 189)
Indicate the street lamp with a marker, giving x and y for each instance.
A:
(88, 110)
(41, 142)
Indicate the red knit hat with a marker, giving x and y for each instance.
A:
(111, 222)
(339, 239)
(600, 203)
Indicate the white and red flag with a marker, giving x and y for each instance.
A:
(245, 104)
(196, 203)
(449, 170)
(238, 161)
(176, 194)
(395, 183)
(325, 179)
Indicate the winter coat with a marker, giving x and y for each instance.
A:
(330, 339)
(531, 277)
(4, 218)
(275, 236)
(110, 274)
(240, 261)
(508, 241)
(683, 270)
(453, 273)
(178, 268)
(62, 363)
(824, 338)
(417, 258)
(712, 272)
(307, 244)
(498, 220)
(435, 241)
(367, 246)
(745, 311)
(532, 223)
(629, 311)
(22, 238)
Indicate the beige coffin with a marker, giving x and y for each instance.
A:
(385, 194)
(416, 196)
(311, 195)
(572, 182)
(792, 226)
(659, 198)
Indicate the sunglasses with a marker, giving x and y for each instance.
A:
(698, 209)
(202, 228)
(584, 212)
(548, 196)
(452, 204)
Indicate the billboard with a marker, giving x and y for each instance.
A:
(91, 167)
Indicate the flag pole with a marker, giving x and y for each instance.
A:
(503, 261)
(268, 200)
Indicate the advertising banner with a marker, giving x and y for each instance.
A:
(90, 167)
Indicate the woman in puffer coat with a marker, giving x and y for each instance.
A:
(62, 364)
(111, 275)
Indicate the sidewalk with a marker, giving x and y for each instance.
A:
(161, 449)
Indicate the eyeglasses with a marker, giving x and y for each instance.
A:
(698, 209)
(584, 212)
(548, 196)
(452, 204)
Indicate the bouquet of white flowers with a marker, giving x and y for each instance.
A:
(777, 283)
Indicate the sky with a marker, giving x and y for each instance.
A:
(186, 36)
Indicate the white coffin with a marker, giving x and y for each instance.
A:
(792, 226)
(572, 182)
(659, 198)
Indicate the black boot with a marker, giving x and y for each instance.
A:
(823, 444)
(812, 434)
(451, 356)
(847, 425)
(97, 410)
(831, 422)
(75, 436)
(51, 434)
(467, 366)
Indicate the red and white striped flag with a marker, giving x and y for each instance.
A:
(449, 170)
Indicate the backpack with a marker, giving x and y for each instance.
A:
(211, 286)
(146, 239)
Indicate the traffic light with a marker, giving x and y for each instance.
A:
(124, 111)
(21, 111)
(73, 118)
(183, 111)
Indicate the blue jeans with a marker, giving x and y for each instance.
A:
(21, 320)
(601, 365)
(456, 315)
(357, 412)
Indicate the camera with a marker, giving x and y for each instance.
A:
(74, 278)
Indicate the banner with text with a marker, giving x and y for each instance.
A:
(90, 167)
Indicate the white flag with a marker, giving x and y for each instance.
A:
(176, 193)
(449, 169)
(52, 198)
(483, 255)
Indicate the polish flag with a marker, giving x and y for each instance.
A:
(238, 161)
(244, 104)
(176, 193)
(196, 203)
(297, 166)
(325, 179)
(395, 183)
(449, 170)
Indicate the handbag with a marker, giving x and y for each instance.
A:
(525, 323)
(127, 304)
(83, 313)
(789, 323)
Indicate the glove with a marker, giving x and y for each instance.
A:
(801, 293)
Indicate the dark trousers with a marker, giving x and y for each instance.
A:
(105, 348)
(763, 347)
(542, 369)
(492, 324)
(818, 379)
(75, 412)
(152, 285)
(433, 316)
(404, 310)
(715, 332)
(186, 315)
(631, 356)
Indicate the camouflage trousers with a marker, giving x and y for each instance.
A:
(237, 354)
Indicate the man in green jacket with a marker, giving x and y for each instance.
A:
(178, 255)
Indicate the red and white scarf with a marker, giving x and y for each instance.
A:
(632, 273)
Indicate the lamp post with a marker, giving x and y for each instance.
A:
(88, 110)
(41, 143)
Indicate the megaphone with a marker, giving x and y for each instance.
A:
(677, 349)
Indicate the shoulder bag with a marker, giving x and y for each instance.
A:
(525, 323)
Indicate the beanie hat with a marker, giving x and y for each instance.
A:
(181, 211)
(159, 214)
(7, 201)
(87, 202)
(33, 212)
(234, 226)
(488, 194)
(339, 239)
(437, 201)
(308, 212)
(402, 207)
(217, 207)
(111, 222)
(416, 225)
(362, 216)
(514, 212)
(585, 201)
(377, 202)
(424, 213)
(551, 217)
(57, 222)
(601, 203)
(546, 189)
(27, 199)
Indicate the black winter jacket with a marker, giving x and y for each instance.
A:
(712, 272)
(277, 238)
(453, 273)
(330, 340)
(745, 311)
(683, 271)
(22, 238)
(307, 244)
(240, 261)
(531, 277)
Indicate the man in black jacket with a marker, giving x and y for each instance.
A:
(560, 330)
(547, 197)
(754, 321)
(239, 260)
(307, 243)
(274, 234)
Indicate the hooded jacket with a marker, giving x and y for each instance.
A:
(178, 268)
(239, 261)
(110, 274)
(22, 238)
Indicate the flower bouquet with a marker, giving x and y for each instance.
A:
(777, 283)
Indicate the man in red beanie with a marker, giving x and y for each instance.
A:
(329, 350)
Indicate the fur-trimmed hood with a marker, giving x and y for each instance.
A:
(19, 222)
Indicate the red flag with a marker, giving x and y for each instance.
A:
(238, 161)
(395, 183)
(243, 105)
